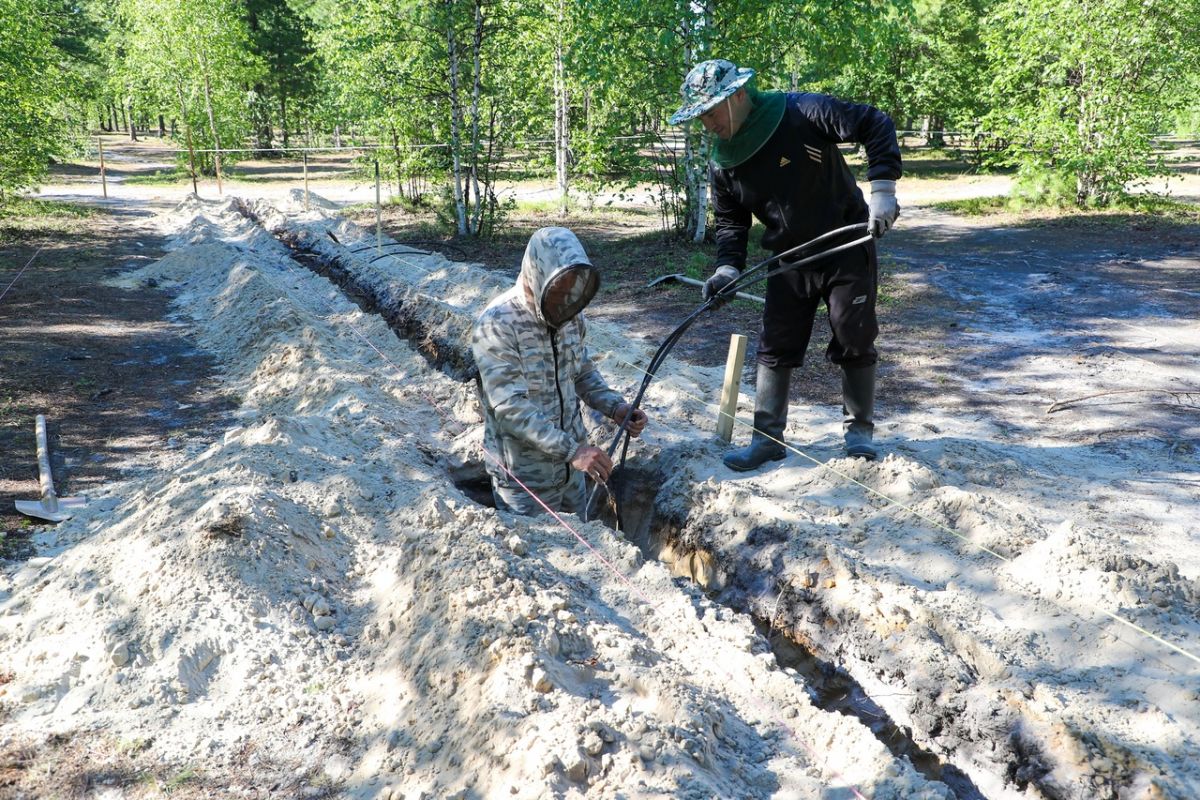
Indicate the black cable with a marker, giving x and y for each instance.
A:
(747, 279)
(437, 242)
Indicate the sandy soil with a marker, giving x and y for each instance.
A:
(1005, 606)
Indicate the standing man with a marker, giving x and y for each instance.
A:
(776, 159)
(533, 371)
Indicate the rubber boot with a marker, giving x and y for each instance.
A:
(770, 417)
(858, 404)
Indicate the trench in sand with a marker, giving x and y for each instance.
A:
(830, 686)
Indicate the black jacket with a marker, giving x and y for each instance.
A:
(798, 184)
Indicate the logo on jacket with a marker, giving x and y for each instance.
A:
(813, 153)
(784, 161)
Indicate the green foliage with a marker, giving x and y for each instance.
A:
(30, 86)
(31, 207)
(159, 177)
(459, 92)
(944, 74)
(280, 40)
(1036, 187)
(194, 57)
(1079, 86)
(1148, 208)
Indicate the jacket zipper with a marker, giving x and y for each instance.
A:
(562, 406)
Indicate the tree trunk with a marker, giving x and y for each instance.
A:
(460, 210)
(932, 129)
(262, 117)
(187, 130)
(396, 153)
(283, 119)
(132, 123)
(162, 127)
(476, 92)
(1085, 178)
(562, 132)
(696, 27)
(212, 121)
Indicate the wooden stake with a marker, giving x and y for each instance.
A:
(378, 212)
(306, 180)
(730, 388)
(103, 179)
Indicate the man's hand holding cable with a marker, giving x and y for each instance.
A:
(593, 461)
(884, 208)
(724, 276)
(637, 422)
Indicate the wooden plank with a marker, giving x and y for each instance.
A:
(731, 386)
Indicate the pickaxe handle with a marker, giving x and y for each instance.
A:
(49, 498)
(685, 279)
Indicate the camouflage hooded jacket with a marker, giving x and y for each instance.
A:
(533, 376)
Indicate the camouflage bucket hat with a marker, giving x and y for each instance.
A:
(708, 84)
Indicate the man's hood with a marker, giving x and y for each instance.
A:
(552, 254)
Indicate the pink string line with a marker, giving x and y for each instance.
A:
(814, 754)
(22, 272)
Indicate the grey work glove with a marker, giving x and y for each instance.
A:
(884, 208)
(724, 276)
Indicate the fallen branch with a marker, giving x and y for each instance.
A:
(1188, 399)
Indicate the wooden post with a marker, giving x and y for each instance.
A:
(730, 388)
(378, 212)
(306, 180)
(103, 179)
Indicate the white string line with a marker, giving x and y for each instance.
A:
(1115, 617)
(816, 755)
(22, 272)
(761, 705)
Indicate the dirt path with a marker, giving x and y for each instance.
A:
(119, 382)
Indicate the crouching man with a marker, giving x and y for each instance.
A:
(534, 370)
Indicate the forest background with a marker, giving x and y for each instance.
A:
(1074, 95)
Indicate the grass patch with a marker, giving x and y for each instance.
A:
(28, 218)
(160, 177)
(27, 208)
(1142, 209)
(976, 206)
(293, 176)
(179, 780)
(890, 289)
(12, 410)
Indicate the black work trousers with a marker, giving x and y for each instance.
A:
(848, 283)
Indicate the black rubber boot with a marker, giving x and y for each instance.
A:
(770, 417)
(858, 404)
